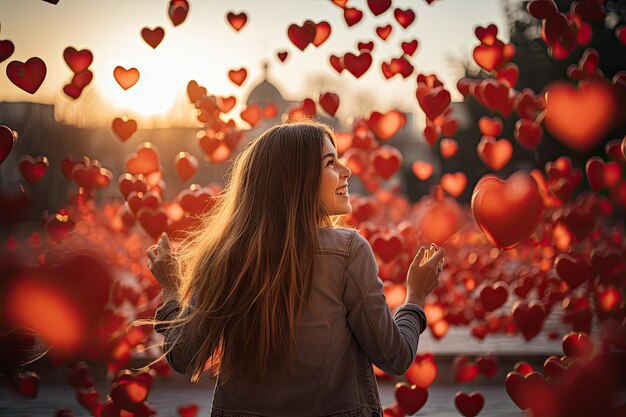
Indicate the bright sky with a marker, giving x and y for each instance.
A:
(205, 47)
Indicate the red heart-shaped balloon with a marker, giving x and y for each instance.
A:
(494, 296)
(590, 12)
(365, 46)
(282, 55)
(577, 345)
(454, 183)
(620, 33)
(78, 376)
(88, 398)
(580, 117)
(386, 161)
(128, 183)
(410, 47)
(329, 102)
(410, 398)
(487, 365)
(386, 125)
(490, 126)
(216, 150)
(571, 270)
(542, 9)
(463, 370)
(554, 27)
(58, 226)
(383, 32)
(270, 111)
(495, 154)
(486, 35)
(352, 16)
(7, 138)
(613, 150)
(196, 200)
(508, 74)
(6, 49)
(226, 104)
(188, 410)
(153, 37)
(322, 32)
(440, 221)
(379, 7)
(128, 394)
(489, 57)
(154, 222)
(78, 61)
(237, 21)
(386, 246)
(496, 96)
(26, 383)
(186, 165)
(357, 64)
(507, 211)
(126, 78)
(27, 75)
(137, 200)
(404, 17)
(33, 169)
(531, 391)
(434, 102)
(529, 317)
(145, 161)
(238, 76)
(448, 147)
(528, 133)
(523, 368)
(124, 128)
(469, 405)
(91, 176)
(82, 79)
(72, 91)
(194, 91)
(337, 63)
(302, 36)
(602, 175)
(422, 371)
(251, 114)
(177, 11)
(422, 170)
(526, 104)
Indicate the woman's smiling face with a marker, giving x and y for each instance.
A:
(334, 184)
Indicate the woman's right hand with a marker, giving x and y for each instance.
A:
(161, 263)
(423, 274)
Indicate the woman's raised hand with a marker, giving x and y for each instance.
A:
(423, 273)
(161, 263)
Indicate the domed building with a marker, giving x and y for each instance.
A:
(264, 94)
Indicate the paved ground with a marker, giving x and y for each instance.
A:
(166, 396)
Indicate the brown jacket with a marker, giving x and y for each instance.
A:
(335, 375)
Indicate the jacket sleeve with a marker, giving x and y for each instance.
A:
(175, 357)
(389, 342)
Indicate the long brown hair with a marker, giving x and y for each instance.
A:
(250, 264)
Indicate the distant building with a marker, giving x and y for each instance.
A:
(266, 93)
(23, 114)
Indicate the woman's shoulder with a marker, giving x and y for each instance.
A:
(340, 239)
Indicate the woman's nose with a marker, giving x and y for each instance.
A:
(346, 172)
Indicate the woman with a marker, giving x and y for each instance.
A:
(282, 305)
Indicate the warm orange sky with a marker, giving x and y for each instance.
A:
(205, 47)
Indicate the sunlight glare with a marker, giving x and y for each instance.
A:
(160, 83)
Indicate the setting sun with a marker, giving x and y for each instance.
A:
(154, 93)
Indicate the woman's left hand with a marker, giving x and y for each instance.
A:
(162, 264)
